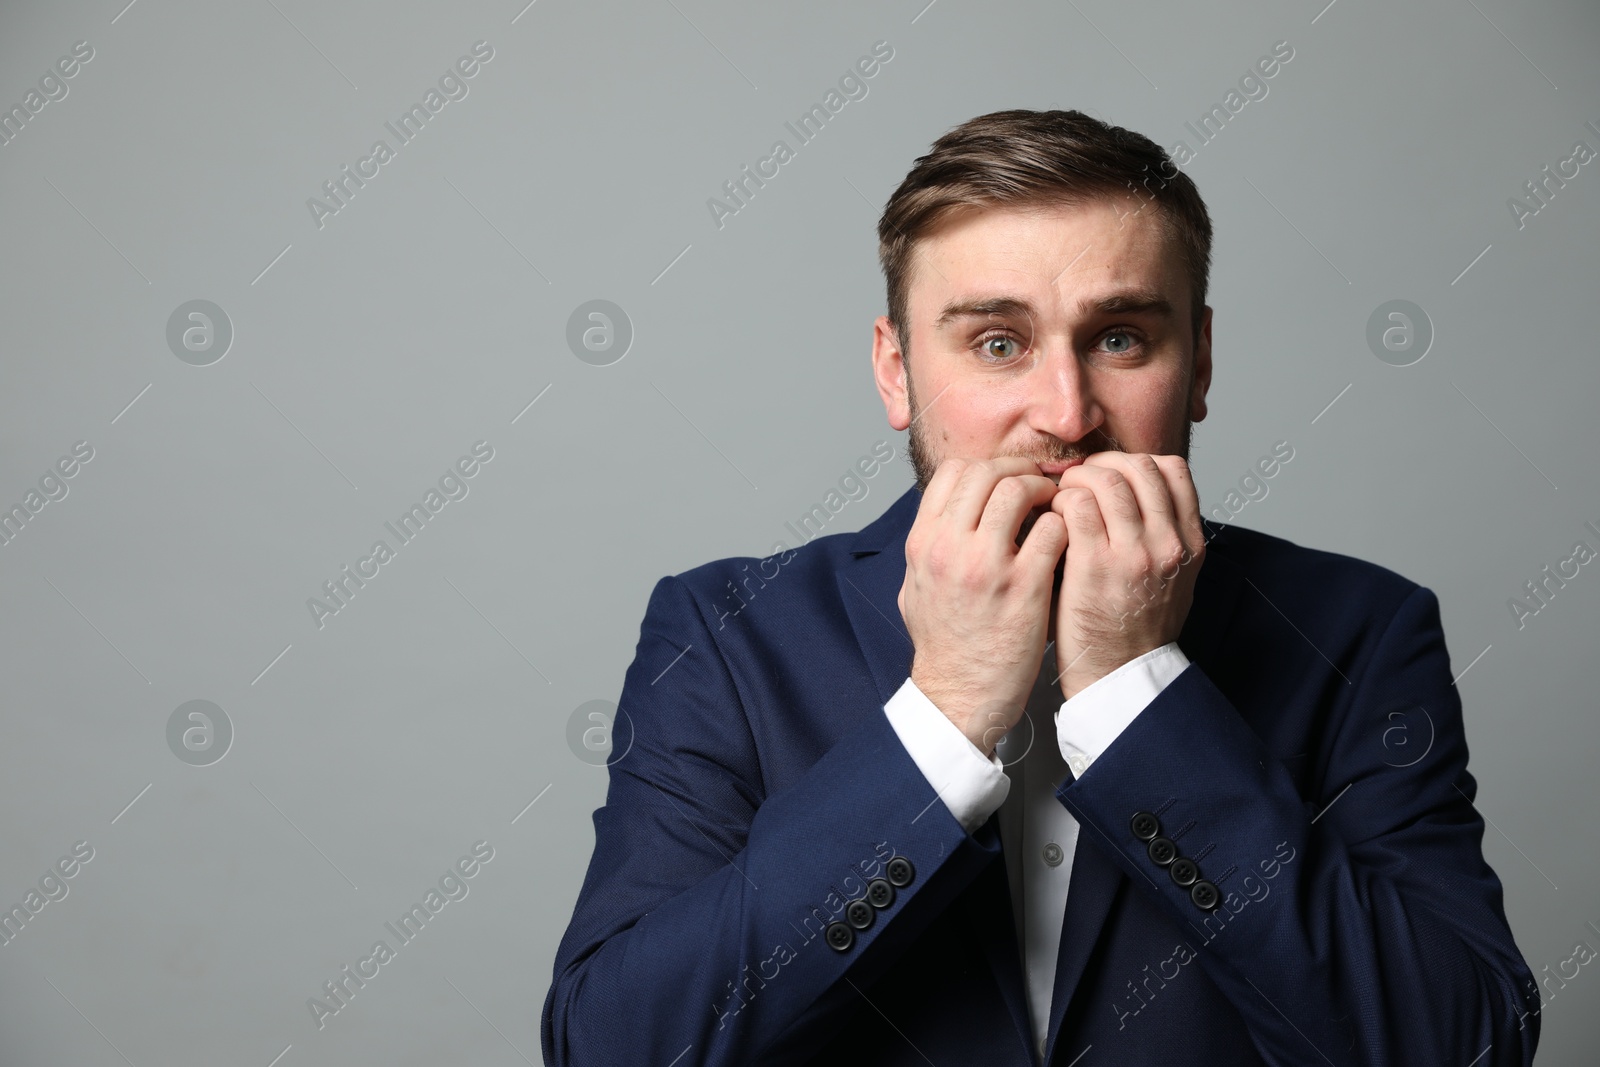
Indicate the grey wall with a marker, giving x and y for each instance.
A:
(373, 347)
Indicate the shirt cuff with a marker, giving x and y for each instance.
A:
(972, 787)
(1094, 717)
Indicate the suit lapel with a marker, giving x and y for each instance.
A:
(1096, 882)
(869, 586)
(986, 910)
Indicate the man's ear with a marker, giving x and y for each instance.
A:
(1202, 369)
(889, 371)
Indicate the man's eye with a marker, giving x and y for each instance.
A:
(998, 348)
(1129, 339)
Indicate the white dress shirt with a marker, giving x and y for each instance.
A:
(1038, 835)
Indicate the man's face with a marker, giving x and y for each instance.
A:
(1048, 332)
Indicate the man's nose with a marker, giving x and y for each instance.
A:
(1061, 400)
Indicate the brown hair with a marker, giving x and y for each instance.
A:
(1018, 157)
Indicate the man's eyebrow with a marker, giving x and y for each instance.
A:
(982, 307)
(1129, 302)
(1124, 302)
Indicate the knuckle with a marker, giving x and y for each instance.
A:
(1126, 505)
(1052, 532)
(1014, 488)
(973, 576)
(1109, 477)
(1079, 499)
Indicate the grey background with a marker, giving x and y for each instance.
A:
(369, 354)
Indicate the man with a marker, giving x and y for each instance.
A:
(1041, 766)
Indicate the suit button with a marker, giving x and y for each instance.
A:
(1162, 851)
(1184, 871)
(880, 894)
(900, 871)
(1204, 895)
(1144, 825)
(859, 913)
(840, 936)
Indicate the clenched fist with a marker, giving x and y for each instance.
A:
(976, 596)
(1134, 550)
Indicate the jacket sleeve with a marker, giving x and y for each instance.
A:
(1361, 926)
(701, 933)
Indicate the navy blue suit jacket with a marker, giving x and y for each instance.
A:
(1310, 760)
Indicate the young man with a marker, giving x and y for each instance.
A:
(1041, 761)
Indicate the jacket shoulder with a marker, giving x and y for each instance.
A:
(722, 588)
(1278, 566)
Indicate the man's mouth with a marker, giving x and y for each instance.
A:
(1055, 470)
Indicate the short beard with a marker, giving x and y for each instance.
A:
(922, 462)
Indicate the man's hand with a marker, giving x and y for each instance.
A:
(975, 602)
(1134, 550)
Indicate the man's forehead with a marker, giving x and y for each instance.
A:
(1102, 257)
